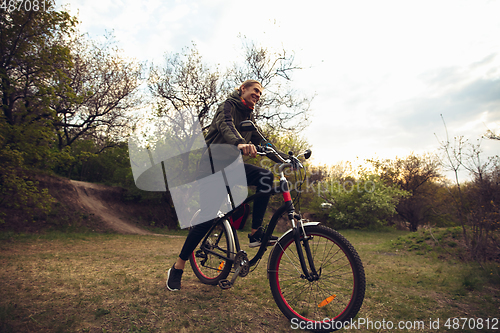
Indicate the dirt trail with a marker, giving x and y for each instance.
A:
(89, 200)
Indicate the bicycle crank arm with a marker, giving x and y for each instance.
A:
(242, 268)
(226, 284)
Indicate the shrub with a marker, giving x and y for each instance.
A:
(361, 203)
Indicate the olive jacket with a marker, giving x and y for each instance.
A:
(225, 124)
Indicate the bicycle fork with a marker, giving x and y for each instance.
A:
(296, 230)
(311, 275)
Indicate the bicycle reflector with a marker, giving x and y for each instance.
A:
(221, 266)
(326, 301)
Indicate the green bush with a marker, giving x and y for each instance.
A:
(18, 190)
(361, 203)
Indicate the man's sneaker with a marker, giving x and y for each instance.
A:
(255, 239)
(174, 278)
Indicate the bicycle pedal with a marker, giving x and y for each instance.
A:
(269, 243)
(272, 242)
(225, 284)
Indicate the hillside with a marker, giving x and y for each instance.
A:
(105, 204)
(93, 206)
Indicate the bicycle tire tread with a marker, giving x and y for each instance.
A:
(202, 277)
(354, 259)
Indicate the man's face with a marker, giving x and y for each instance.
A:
(251, 94)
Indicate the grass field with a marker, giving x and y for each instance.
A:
(116, 283)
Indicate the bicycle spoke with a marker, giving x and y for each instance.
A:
(211, 268)
(291, 262)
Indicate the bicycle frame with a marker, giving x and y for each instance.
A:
(234, 236)
(297, 230)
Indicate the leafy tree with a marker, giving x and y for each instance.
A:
(30, 53)
(18, 190)
(56, 79)
(416, 175)
(286, 141)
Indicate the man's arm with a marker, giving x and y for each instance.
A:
(225, 125)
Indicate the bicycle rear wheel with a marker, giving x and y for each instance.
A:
(335, 297)
(208, 267)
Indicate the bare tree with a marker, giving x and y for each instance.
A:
(492, 135)
(100, 91)
(184, 82)
(452, 160)
(186, 85)
(477, 201)
(281, 107)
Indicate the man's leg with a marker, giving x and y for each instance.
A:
(208, 210)
(194, 237)
(263, 180)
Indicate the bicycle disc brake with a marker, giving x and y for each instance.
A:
(242, 268)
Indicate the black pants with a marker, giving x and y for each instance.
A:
(263, 179)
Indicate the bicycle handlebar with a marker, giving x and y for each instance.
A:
(248, 125)
(291, 161)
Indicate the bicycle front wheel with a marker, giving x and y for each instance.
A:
(335, 297)
(206, 265)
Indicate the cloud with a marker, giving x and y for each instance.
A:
(468, 104)
(459, 93)
(383, 72)
(147, 30)
(357, 121)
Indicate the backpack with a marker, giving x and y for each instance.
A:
(239, 217)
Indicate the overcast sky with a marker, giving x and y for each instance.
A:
(382, 71)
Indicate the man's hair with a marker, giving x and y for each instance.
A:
(247, 84)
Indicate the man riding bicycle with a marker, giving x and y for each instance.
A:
(238, 107)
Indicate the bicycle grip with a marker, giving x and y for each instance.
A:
(261, 149)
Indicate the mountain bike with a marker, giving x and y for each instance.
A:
(316, 276)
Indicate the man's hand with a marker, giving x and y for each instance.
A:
(248, 149)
